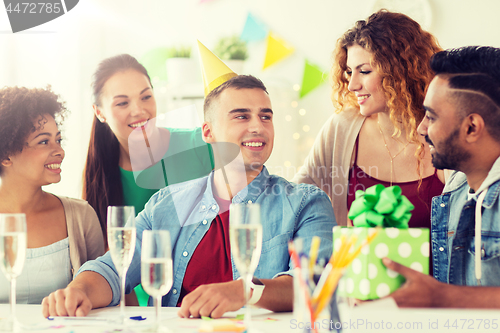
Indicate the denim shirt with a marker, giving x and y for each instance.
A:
(188, 209)
(452, 231)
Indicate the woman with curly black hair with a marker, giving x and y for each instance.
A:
(62, 233)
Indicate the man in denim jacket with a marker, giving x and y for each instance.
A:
(238, 114)
(462, 126)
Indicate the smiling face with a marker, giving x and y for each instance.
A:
(41, 158)
(126, 103)
(441, 127)
(243, 117)
(364, 81)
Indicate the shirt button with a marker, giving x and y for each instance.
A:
(249, 201)
(205, 221)
(185, 254)
(214, 207)
(441, 249)
(174, 291)
(483, 253)
(203, 207)
(442, 205)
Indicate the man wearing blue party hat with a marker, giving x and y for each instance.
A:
(239, 126)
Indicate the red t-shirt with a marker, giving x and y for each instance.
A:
(211, 261)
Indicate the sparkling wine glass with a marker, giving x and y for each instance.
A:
(156, 268)
(121, 241)
(245, 235)
(12, 256)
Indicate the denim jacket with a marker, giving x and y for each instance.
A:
(452, 231)
(187, 210)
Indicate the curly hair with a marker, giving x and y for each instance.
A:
(400, 53)
(20, 107)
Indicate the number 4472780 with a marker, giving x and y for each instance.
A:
(33, 8)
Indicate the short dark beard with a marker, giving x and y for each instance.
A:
(453, 157)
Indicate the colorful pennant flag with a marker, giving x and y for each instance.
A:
(154, 61)
(277, 50)
(254, 29)
(313, 77)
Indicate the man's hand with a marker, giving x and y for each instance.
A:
(66, 302)
(213, 300)
(419, 290)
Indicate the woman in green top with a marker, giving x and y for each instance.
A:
(129, 158)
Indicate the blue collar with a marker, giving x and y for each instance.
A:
(248, 194)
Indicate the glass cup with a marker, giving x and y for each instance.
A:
(156, 268)
(121, 242)
(13, 243)
(245, 236)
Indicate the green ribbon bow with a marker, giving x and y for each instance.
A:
(379, 206)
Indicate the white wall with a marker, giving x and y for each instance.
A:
(65, 52)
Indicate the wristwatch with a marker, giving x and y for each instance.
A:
(258, 288)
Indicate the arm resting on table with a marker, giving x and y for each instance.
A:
(422, 290)
(89, 290)
(213, 300)
(278, 294)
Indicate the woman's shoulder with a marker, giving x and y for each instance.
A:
(343, 123)
(74, 205)
(183, 131)
(188, 137)
(348, 114)
(71, 201)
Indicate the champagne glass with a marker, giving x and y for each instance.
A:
(156, 267)
(121, 241)
(245, 236)
(12, 256)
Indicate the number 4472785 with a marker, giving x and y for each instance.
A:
(33, 8)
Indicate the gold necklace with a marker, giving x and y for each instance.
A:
(388, 151)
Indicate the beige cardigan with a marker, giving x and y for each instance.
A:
(330, 159)
(86, 241)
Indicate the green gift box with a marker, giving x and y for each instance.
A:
(367, 277)
(390, 211)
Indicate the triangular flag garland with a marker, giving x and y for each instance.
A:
(254, 29)
(313, 77)
(214, 71)
(154, 61)
(277, 50)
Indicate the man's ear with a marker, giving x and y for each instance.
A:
(207, 133)
(98, 113)
(474, 127)
(7, 162)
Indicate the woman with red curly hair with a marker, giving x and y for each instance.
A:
(380, 74)
(62, 233)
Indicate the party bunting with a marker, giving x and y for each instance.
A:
(254, 29)
(154, 61)
(313, 77)
(277, 50)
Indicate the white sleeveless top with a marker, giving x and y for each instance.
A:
(46, 269)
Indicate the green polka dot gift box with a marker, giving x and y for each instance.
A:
(366, 277)
(388, 210)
